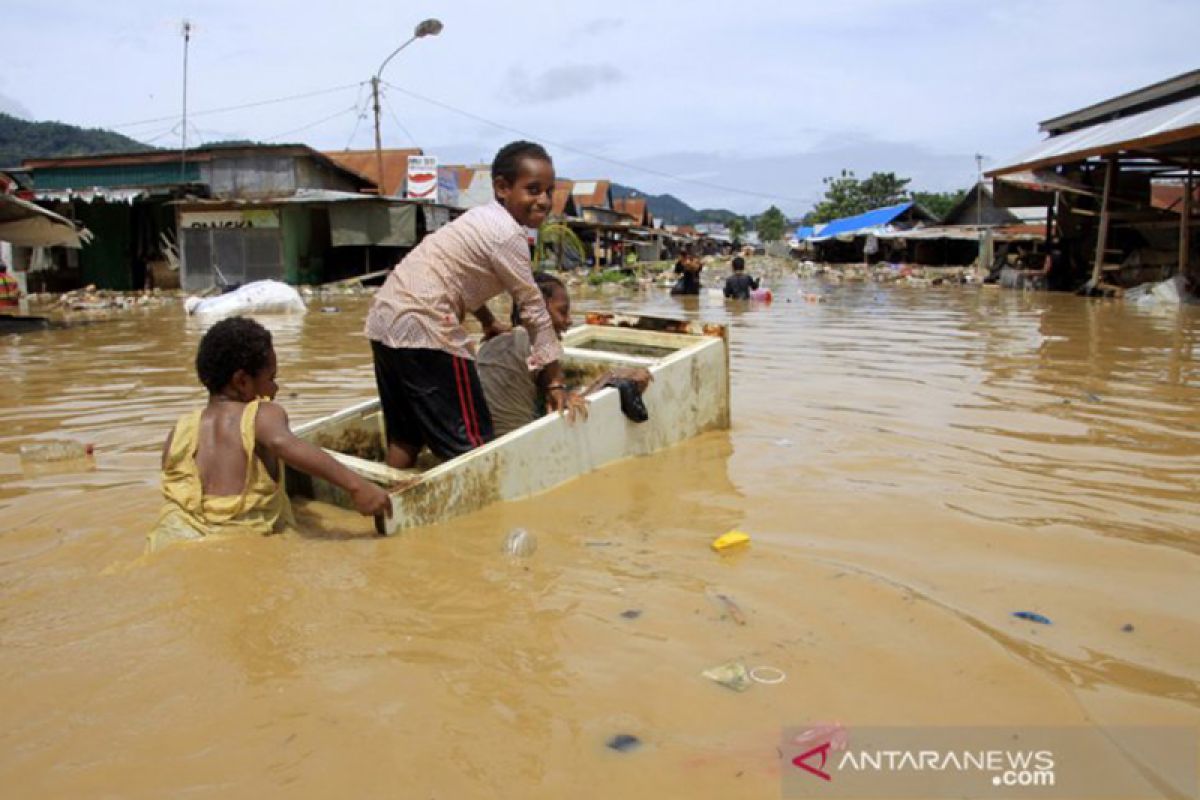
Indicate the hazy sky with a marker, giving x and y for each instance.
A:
(761, 96)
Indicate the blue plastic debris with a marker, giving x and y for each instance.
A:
(1032, 616)
(624, 742)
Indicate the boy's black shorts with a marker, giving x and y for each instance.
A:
(432, 398)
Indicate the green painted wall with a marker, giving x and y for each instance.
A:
(107, 260)
(50, 178)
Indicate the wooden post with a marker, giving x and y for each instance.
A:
(1102, 234)
(1051, 208)
(1185, 224)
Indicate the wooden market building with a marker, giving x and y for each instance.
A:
(1105, 173)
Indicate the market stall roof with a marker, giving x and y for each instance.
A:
(970, 233)
(875, 219)
(28, 225)
(1156, 129)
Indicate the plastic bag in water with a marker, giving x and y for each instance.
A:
(520, 543)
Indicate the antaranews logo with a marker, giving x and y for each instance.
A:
(828, 761)
(821, 750)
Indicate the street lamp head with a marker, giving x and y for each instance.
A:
(429, 27)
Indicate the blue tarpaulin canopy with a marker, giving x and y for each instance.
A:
(868, 221)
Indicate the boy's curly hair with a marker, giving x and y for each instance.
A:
(232, 344)
(507, 162)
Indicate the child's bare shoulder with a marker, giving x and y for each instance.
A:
(271, 413)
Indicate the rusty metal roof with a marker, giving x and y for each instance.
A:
(592, 193)
(562, 198)
(634, 207)
(364, 163)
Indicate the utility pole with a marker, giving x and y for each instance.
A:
(187, 38)
(378, 139)
(428, 27)
(978, 189)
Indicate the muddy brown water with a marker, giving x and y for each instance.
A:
(912, 465)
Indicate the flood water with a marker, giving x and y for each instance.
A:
(912, 464)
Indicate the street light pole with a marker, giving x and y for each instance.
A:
(429, 27)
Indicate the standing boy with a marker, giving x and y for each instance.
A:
(739, 285)
(424, 362)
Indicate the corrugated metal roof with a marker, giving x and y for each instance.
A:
(634, 207)
(1159, 126)
(1156, 94)
(875, 218)
(969, 233)
(192, 155)
(591, 193)
(563, 190)
(363, 162)
(29, 225)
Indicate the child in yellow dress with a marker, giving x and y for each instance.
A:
(221, 464)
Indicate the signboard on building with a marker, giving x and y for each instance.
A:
(423, 178)
(234, 218)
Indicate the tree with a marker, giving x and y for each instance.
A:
(737, 229)
(846, 195)
(843, 198)
(939, 203)
(884, 189)
(771, 225)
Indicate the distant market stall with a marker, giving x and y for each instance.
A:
(1099, 173)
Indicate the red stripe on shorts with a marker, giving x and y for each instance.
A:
(471, 402)
(472, 437)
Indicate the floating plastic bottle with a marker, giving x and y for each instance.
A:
(520, 543)
(54, 450)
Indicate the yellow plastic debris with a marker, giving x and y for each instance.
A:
(730, 539)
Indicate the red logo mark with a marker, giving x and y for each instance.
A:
(823, 750)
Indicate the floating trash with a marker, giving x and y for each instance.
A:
(730, 539)
(623, 742)
(768, 675)
(731, 608)
(1032, 616)
(731, 675)
(631, 613)
(55, 450)
(1127, 627)
(520, 543)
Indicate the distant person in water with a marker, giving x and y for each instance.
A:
(515, 394)
(222, 465)
(687, 267)
(739, 285)
(424, 361)
(10, 291)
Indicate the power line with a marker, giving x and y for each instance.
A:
(255, 104)
(399, 124)
(334, 115)
(595, 156)
(360, 113)
(164, 134)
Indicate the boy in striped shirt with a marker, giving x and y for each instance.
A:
(424, 361)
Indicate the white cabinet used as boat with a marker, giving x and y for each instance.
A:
(689, 395)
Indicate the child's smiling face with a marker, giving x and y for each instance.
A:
(528, 197)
